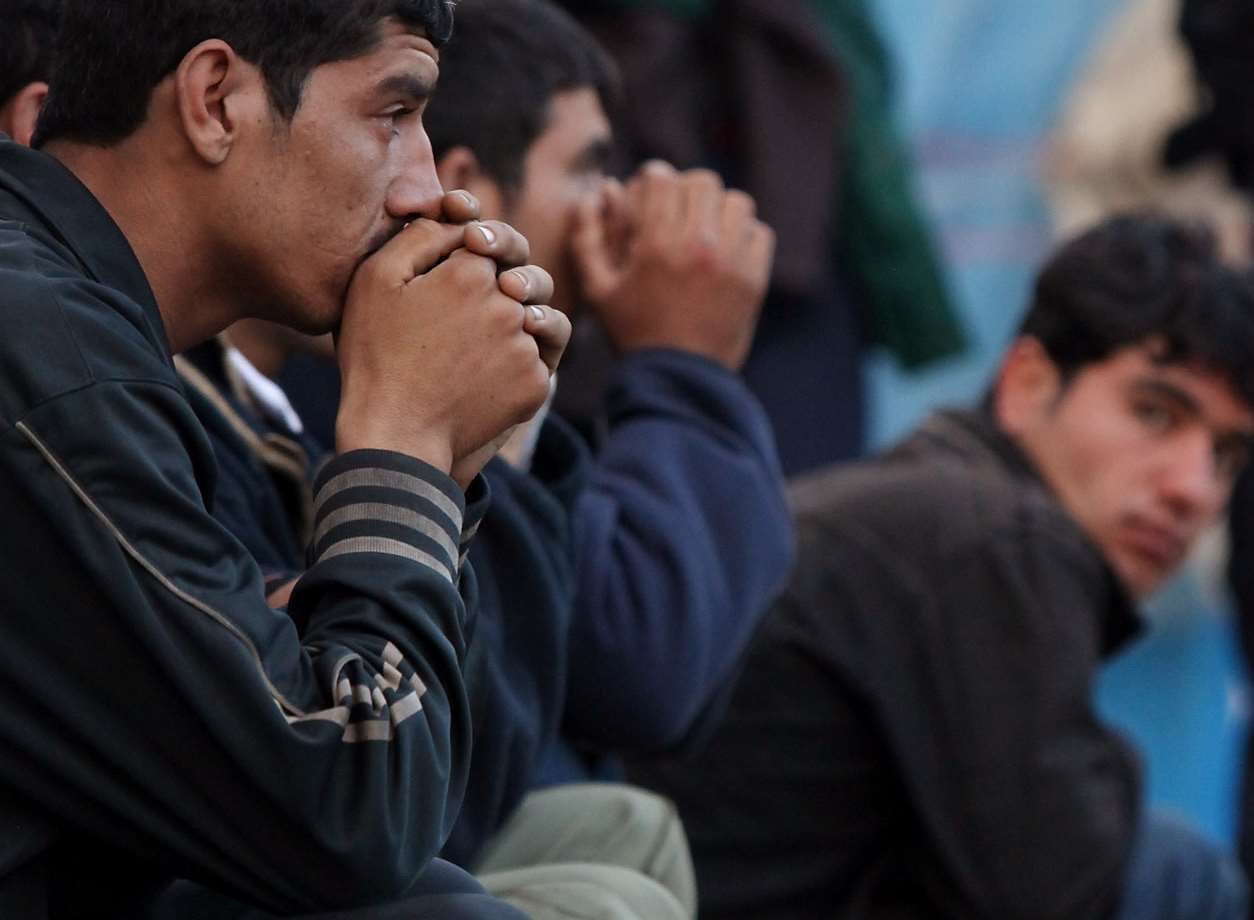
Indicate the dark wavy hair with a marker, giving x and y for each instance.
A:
(111, 54)
(1142, 278)
(29, 27)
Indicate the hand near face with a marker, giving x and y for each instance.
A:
(675, 260)
(441, 349)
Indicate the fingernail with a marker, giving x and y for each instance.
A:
(468, 198)
(488, 235)
(523, 280)
(537, 313)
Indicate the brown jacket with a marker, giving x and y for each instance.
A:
(914, 732)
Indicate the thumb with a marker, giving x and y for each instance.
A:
(593, 255)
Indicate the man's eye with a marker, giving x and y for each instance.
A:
(1153, 416)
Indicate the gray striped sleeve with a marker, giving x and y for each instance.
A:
(371, 501)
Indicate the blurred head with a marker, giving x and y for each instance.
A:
(521, 121)
(288, 132)
(1131, 388)
(25, 63)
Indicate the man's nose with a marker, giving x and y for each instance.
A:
(1191, 483)
(415, 191)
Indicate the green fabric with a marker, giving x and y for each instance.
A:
(883, 240)
(883, 235)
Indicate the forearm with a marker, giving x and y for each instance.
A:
(188, 721)
(684, 538)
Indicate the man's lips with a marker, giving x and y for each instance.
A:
(1162, 546)
(381, 239)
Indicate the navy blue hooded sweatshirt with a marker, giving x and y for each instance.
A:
(617, 594)
(159, 718)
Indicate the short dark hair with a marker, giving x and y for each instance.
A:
(26, 43)
(1142, 278)
(111, 54)
(499, 74)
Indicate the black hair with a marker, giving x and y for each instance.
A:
(26, 37)
(499, 74)
(1146, 279)
(111, 54)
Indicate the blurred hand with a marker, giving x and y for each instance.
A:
(675, 260)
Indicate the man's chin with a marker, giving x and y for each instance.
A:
(1140, 577)
(310, 318)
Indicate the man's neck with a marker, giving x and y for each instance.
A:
(266, 346)
(152, 210)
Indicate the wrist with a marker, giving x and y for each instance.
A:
(352, 433)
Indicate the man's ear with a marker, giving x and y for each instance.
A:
(1028, 385)
(459, 168)
(21, 112)
(210, 88)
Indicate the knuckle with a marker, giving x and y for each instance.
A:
(740, 202)
(703, 179)
(652, 247)
(513, 241)
(537, 386)
(701, 253)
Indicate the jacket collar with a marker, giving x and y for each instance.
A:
(67, 210)
(976, 436)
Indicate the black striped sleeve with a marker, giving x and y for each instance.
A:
(372, 501)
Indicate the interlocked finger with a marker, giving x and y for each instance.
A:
(498, 241)
(459, 207)
(527, 284)
(551, 330)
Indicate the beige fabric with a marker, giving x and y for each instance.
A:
(1105, 153)
(584, 891)
(593, 850)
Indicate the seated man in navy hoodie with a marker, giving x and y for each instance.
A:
(616, 596)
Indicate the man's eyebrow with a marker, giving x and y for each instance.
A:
(1169, 391)
(407, 84)
(1186, 401)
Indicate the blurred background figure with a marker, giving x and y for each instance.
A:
(988, 96)
(997, 105)
(1135, 132)
(792, 102)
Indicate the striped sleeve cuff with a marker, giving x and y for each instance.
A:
(478, 498)
(372, 501)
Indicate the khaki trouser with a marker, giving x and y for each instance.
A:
(593, 851)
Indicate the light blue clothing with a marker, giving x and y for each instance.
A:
(981, 84)
(1176, 874)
